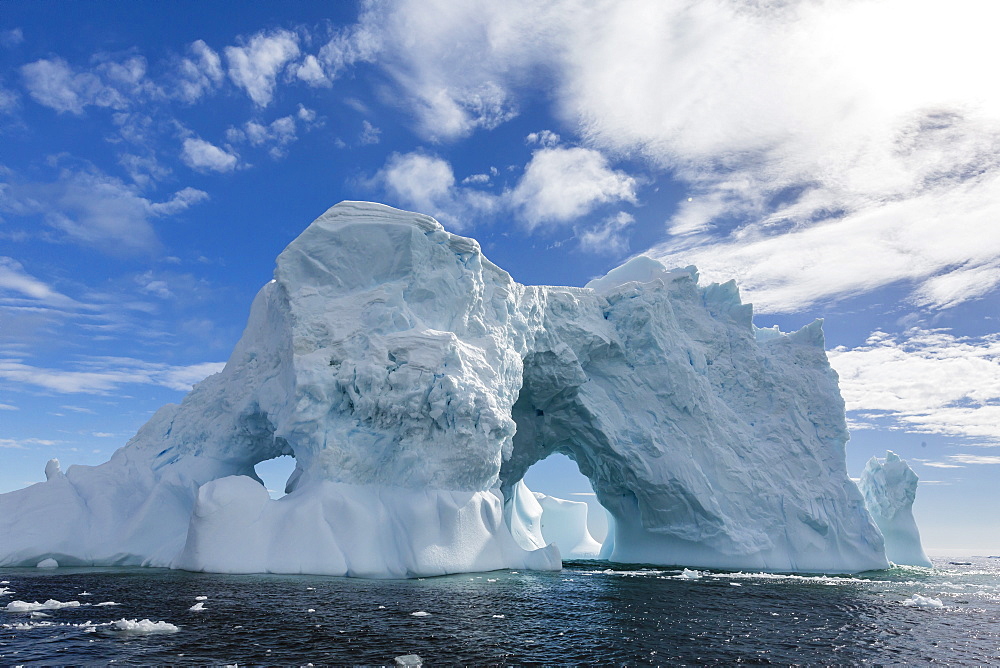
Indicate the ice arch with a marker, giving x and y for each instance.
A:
(414, 381)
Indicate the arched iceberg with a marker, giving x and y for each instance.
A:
(414, 382)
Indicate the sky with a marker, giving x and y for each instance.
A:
(840, 160)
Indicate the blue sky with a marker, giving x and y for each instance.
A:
(840, 160)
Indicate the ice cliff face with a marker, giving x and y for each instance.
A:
(889, 487)
(415, 382)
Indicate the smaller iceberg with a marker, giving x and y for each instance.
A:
(537, 520)
(565, 524)
(889, 487)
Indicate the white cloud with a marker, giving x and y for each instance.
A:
(14, 279)
(426, 183)
(105, 375)
(419, 181)
(610, 237)
(561, 184)
(369, 134)
(975, 459)
(11, 38)
(23, 443)
(182, 199)
(199, 73)
(942, 465)
(54, 84)
(144, 170)
(803, 130)
(926, 381)
(544, 138)
(8, 407)
(114, 84)
(8, 100)
(92, 208)
(305, 114)
(255, 66)
(202, 155)
(311, 72)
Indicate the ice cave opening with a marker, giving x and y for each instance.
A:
(275, 474)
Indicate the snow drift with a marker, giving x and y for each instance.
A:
(414, 382)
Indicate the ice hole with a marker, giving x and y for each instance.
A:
(275, 473)
(557, 475)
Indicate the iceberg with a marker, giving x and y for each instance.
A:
(889, 487)
(565, 524)
(415, 382)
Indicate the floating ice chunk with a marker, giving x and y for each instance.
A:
(735, 584)
(499, 616)
(197, 607)
(106, 604)
(39, 615)
(688, 574)
(51, 604)
(409, 660)
(311, 610)
(201, 598)
(85, 593)
(48, 563)
(918, 601)
(421, 613)
(5, 591)
(144, 626)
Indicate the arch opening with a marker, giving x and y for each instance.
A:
(558, 476)
(276, 473)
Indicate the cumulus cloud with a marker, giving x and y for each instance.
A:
(426, 183)
(419, 181)
(561, 184)
(544, 138)
(54, 84)
(310, 71)
(205, 156)
(255, 66)
(114, 84)
(198, 73)
(610, 237)
(104, 375)
(928, 381)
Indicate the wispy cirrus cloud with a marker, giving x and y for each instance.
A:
(798, 153)
(86, 206)
(104, 375)
(925, 381)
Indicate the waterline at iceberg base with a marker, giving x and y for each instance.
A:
(414, 382)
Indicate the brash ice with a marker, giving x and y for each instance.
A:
(414, 382)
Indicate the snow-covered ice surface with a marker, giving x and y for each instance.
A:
(415, 382)
(889, 487)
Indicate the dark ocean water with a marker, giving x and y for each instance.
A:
(588, 613)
